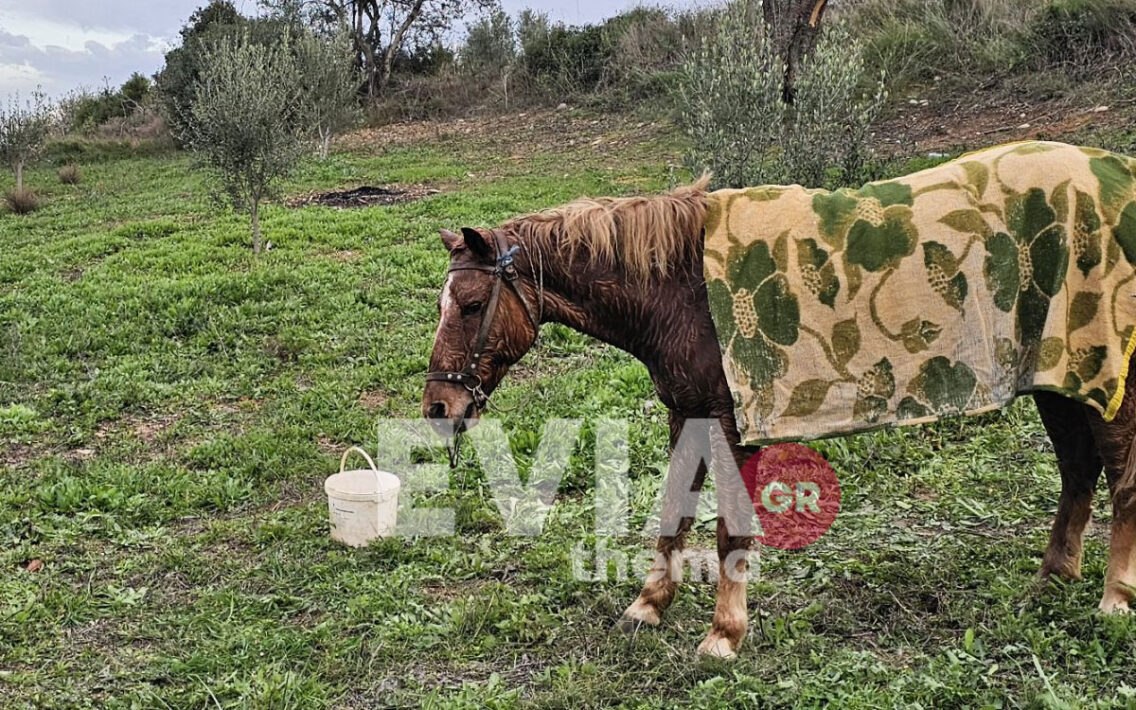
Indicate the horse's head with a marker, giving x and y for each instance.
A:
(486, 323)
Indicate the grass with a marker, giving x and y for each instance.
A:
(170, 406)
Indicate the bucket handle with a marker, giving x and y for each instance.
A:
(343, 460)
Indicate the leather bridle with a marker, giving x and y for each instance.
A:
(503, 270)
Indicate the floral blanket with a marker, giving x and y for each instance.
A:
(945, 292)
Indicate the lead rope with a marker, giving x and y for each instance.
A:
(454, 449)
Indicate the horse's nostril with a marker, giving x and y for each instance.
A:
(437, 410)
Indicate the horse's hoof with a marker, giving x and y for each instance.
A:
(717, 646)
(636, 616)
(1114, 605)
(1067, 570)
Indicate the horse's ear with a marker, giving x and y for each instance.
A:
(476, 242)
(452, 240)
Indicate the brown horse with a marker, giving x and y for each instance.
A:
(630, 273)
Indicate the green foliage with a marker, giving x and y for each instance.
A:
(84, 111)
(490, 45)
(626, 51)
(632, 56)
(647, 47)
(917, 40)
(84, 150)
(731, 107)
(565, 60)
(210, 25)
(250, 119)
(329, 81)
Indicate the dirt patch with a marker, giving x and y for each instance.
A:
(329, 446)
(17, 455)
(145, 428)
(514, 139)
(373, 400)
(983, 118)
(363, 196)
(346, 256)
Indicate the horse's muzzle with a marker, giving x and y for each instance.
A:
(451, 410)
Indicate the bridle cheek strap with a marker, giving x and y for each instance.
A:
(503, 271)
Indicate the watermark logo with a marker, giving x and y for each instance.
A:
(794, 492)
(786, 496)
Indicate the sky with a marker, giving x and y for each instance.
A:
(61, 45)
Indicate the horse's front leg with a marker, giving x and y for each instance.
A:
(735, 537)
(666, 572)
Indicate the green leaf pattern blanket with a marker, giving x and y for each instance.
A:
(945, 292)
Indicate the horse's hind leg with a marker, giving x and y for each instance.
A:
(1115, 444)
(1067, 423)
(666, 572)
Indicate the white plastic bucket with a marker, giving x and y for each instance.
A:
(362, 503)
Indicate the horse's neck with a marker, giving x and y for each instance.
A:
(607, 305)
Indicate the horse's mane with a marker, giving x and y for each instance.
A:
(640, 235)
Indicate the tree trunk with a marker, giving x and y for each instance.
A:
(365, 41)
(20, 176)
(324, 142)
(396, 43)
(793, 26)
(256, 242)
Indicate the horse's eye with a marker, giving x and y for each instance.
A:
(470, 309)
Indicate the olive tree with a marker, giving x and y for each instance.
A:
(330, 80)
(762, 104)
(250, 119)
(24, 129)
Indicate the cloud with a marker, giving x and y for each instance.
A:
(19, 78)
(157, 18)
(24, 65)
(62, 45)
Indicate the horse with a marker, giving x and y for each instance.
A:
(630, 272)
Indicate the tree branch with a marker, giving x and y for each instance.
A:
(396, 41)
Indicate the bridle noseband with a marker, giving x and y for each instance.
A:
(503, 271)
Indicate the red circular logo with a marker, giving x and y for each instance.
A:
(795, 494)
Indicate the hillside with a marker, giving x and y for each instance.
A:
(170, 407)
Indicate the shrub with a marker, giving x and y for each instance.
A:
(563, 60)
(70, 174)
(490, 46)
(919, 39)
(21, 201)
(731, 106)
(216, 22)
(646, 47)
(1078, 33)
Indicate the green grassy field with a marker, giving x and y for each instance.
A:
(170, 406)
